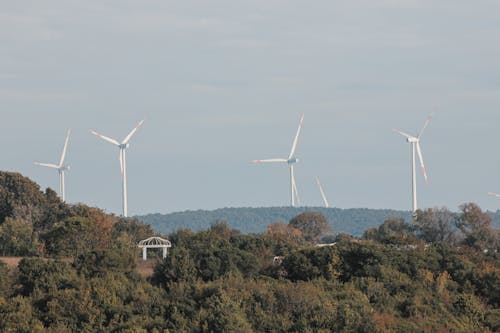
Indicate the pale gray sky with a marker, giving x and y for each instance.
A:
(222, 82)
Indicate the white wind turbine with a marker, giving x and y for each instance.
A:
(415, 145)
(493, 194)
(123, 165)
(290, 160)
(60, 167)
(322, 193)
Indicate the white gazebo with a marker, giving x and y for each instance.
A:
(154, 243)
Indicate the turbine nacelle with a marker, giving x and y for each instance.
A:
(60, 167)
(412, 139)
(290, 160)
(123, 145)
(415, 145)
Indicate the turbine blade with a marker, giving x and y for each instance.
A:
(402, 133)
(421, 159)
(322, 193)
(48, 165)
(113, 141)
(271, 160)
(493, 194)
(121, 162)
(129, 136)
(427, 121)
(63, 155)
(294, 145)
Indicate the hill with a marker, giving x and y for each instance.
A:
(255, 220)
(353, 221)
(81, 271)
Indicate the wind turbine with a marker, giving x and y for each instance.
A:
(322, 193)
(123, 165)
(290, 160)
(493, 194)
(60, 167)
(415, 145)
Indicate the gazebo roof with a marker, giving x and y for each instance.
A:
(155, 242)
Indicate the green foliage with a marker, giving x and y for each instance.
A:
(69, 237)
(37, 223)
(437, 225)
(20, 198)
(45, 276)
(102, 261)
(392, 231)
(178, 266)
(136, 229)
(5, 280)
(16, 315)
(312, 225)
(310, 264)
(400, 278)
(16, 237)
(475, 226)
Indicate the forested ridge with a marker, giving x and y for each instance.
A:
(255, 220)
(439, 274)
(353, 221)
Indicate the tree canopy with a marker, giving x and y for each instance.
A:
(441, 274)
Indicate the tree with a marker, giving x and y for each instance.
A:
(16, 238)
(436, 225)
(284, 233)
(136, 229)
(20, 198)
(222, 314)
(312, 225)
(222, 229)
(101, 261)
(178, 266)
(476, 227)
(392, 231)
(44, 276)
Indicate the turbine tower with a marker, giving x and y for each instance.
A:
(290, 160)
(322, 193)
(60, 167)
(123, 164)
(415, 146)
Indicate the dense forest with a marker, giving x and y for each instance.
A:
(256, 220)
(353, 221)
(439, 274)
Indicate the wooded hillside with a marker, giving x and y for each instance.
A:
(441, 274)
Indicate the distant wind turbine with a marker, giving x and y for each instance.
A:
(123, 164)
(493, 194)
(290, 160)
(415, 145)
(60, 167)
(322, 193)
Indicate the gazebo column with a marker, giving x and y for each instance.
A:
(164, 252)
(144, 253)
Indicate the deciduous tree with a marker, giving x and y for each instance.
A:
(312, 225)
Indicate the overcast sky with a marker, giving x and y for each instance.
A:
(223, 82)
